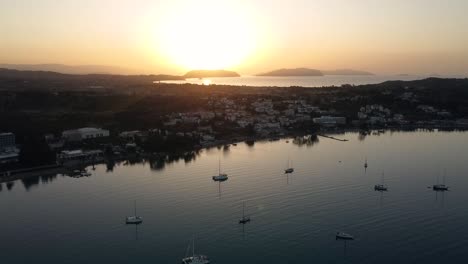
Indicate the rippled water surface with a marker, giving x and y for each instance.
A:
(294, 218)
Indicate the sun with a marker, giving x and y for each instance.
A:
(206, 34)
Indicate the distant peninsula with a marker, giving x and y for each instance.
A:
(313, 72)
(293, 72)
(210, 74)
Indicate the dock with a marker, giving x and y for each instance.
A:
(330, 137)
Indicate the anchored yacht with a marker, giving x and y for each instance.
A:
(134, 219)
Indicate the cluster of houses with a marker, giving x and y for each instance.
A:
(377, 115)
(264, 116)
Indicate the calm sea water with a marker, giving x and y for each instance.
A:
(314, 81)
(294, 218)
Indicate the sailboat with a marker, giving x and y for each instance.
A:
(289, 168)
(220, 176)
(244, 219)
(195, 259)
(440, 187)
(381, 187)
(135, 220)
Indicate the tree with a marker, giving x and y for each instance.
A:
(36, 152)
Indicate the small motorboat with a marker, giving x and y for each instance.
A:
(344, 236)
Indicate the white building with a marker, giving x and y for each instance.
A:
(84, 133)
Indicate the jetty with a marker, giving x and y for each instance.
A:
(334, 138)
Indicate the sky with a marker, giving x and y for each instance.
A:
(173, 36)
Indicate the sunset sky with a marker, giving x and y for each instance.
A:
(173, 36)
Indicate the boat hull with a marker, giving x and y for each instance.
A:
(244, 221)
(343, 236)
(221, 178)
(133, 220)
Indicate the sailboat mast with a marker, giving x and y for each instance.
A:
(134, 207)
(445, 173)
(243, 210)
(193, 247)
(219, 167)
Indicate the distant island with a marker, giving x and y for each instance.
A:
(313, 72)
(346, 72)
(210, 73)
(293, 72)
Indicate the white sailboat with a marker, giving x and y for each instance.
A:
(134, 219)
(381, 187)
(289, 169)
(195, 259)
(244, 219)
(220, 176)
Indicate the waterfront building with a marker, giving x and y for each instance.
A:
(8, 151)
(80, 155)
(7, 140)
(84, 133)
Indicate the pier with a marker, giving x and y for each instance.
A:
(330, 137)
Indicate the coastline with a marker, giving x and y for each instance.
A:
(68, 168)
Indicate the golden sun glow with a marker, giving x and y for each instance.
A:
(206, 34)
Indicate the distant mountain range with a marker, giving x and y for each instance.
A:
(50, 75)
(45, 74)
(312, 72)
(67, 69)
(111, 70)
